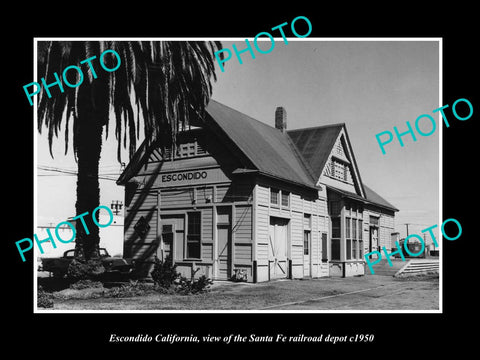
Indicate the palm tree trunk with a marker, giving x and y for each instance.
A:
(89, 140)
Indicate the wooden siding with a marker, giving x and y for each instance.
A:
(242, 226)
(296, 202)
(243, 253)
(207, 251)
(234, 192)
(262, 224)
(176, 198)
(207, 225)
(263, 195)
(145, 200)
(141, 247)
(296, 230)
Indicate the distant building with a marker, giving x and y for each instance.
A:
(239, 195)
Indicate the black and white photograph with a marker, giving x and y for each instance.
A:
(244, 199)
(277, 185)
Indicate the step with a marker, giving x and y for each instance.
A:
(413, 267)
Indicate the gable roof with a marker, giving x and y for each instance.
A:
(297, 156)
(315, 144)
(269, 150)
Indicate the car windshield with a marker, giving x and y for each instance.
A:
(71, 253)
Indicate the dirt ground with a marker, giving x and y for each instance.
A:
(352, 294)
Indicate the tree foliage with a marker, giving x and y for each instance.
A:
(168, 82)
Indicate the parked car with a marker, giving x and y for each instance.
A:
(112, 264)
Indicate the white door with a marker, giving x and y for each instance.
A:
(278, 240)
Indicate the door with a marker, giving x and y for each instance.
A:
(278, 239)
(224, 244)
(307, 244)
(373, 246)
(173, 237)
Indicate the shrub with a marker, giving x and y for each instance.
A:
(164, 273)
(194, 286)
(44, 299)
(83, 270)
(85, 284)
(240, 275)
(134, 288)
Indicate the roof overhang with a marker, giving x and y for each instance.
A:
(352, 196)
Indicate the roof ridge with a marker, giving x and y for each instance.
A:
(248, 116)
(317, 127)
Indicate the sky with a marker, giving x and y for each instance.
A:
(371, 86)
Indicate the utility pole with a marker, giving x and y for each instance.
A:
(407, 228)
(116, 206)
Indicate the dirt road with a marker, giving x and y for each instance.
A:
(358, 294)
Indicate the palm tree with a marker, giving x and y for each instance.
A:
(168, 82)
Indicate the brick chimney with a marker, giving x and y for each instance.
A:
(281, 119)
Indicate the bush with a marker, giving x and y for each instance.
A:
(44, 299)
(86, 284)
(168, 281)
(134, 288)
(240, 275)
(164, 273)
(194, 286)
(83, 270)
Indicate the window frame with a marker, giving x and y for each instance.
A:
(307, 235)
(348, 238)
(282, 194)
(197, 239)
(324, 244)
(277, 192)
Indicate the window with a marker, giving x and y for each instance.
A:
(348, 237)
(186, 148)
(193, 235)
(306, 242)
(360, 230)
(336, 228)
(285, 199)
(373, 220)
(340, 170)
(274, 193)
(335, 243)
(335, 249)
(324, 247)
(335, 208)
(354, 238)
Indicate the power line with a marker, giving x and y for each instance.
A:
(70, 172)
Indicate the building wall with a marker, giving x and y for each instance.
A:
(204, 182)
(385, 228)
(299, 205)
(168, 190)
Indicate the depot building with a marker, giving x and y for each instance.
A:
(238, 197)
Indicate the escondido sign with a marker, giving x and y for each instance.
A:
(192, 177)
(188, 175)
